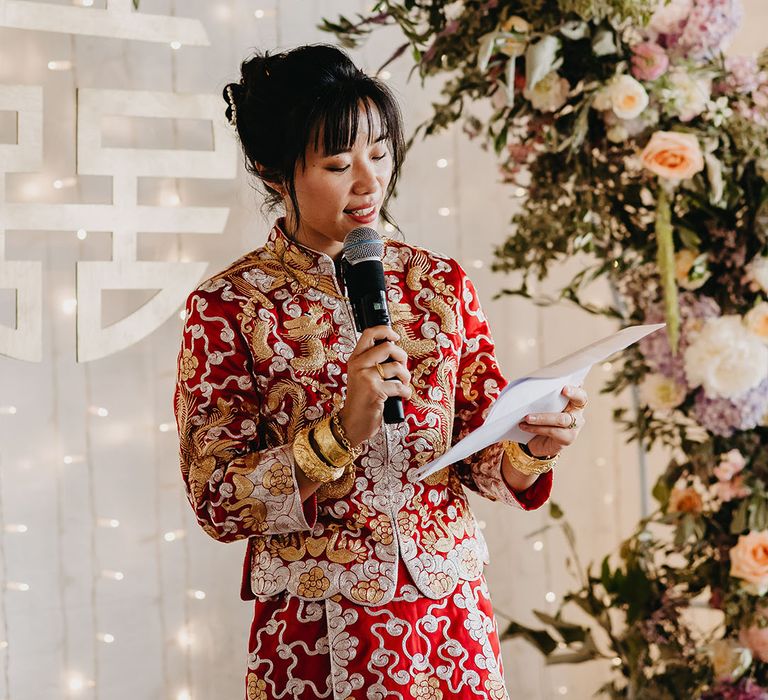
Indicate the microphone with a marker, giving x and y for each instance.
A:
(366, 289)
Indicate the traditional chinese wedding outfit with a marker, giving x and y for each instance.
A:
(374, 586)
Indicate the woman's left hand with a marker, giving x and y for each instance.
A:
(553, 431)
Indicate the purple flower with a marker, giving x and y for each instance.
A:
(697, 28)
(725, 416)
(649, 61)
(743, 690)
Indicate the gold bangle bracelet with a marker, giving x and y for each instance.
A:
(525, 464)
(310, 462)
(334, 452)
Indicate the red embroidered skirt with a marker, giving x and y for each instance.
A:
(410, 648)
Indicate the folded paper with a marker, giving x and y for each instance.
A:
(539, 392)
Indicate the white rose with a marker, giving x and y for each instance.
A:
(617, 133)
(661, 393)
(670, 16)
(725, 358)
(757, 273)
(603, 100)
(757, 320)
(687, 96)
(729, 659)
(628, 97)
(550, 93)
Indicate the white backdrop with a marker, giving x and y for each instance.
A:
(108, 589)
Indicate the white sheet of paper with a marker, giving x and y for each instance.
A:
(538, 392)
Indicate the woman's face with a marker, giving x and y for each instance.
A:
(333, 186)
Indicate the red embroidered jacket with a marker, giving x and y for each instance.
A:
(264, 353)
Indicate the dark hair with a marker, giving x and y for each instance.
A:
(284, 100)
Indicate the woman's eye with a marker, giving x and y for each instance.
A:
(338, 170)
(381, 157)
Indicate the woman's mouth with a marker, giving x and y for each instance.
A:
(362, 216)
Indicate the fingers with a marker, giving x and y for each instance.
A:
(370, 336)
(576, 396)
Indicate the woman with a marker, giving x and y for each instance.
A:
(367, 582)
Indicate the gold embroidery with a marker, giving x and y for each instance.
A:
(279, 480)
(188, 365)
(426, 687)
(381, 529)
(468, 379)
(257, 688)
(367, 592)
(313, 583)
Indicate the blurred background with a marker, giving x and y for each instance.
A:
(121, 189)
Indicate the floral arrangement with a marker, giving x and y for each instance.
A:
(634, 144)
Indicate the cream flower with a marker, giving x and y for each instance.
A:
(673, 155)
(749, 562)
(549, 94)
(661, 393)
(687, 96)
(628, 97)
(729, 659)
(757, 320)
(731, 463)
(757, 273)
(725, 358)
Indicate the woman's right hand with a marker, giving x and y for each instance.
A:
(366, 390)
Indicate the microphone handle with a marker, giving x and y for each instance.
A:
(372, 310)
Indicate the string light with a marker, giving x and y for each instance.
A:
(601, 461)
(197, 595)
(538, 545)
(108, 522)
(258, 14)
(17, 586)
(520, 192)
(3, 645)
(7, 410)
(115, 575)
(385, 75)
(82, 234)
(106, 638)
(616, 661)
(99, 411)
(607, 366)
(165, 427)
(481, 524)
(563, 690)
(477, 264)
(68, 306)
(175, 45)
(183, 694)
(72, 459)
(183, 314)
(19, 528)
(550, 597)
(59, 184)
(59, 65)
(184, 637)
(173, 535)
(444, 211)
(442, 163)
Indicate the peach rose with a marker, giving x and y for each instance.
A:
(755, 638)
(749, 561)
(673, 155)
(685, 501)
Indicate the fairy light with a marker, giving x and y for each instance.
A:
(114, 575)
(68, 306)
(82, 234)
(173, 535)
(165, 427)
(477, 264)
(608, 499)
(8, 410)
(183, 314)
(563, 690)
(61, 183)
(183, 694)
(520, 192)
(616, 661)
(185, 638)
(538, 545)
(442, 163)
(3, 644)
(175, 45)
(385, 75)
(258, 14)
(106, 638)
(59, 65)
(16, 528)
(197, 595)
(481, 524)
(550, 597)
(601, 461)
(99, 411)
(607, 366)
(17, 586)
(75, 683)
(108, 522)
(444, 211)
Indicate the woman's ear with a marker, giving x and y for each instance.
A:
(275, 185)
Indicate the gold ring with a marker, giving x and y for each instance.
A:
(573, 421)
(380, 371)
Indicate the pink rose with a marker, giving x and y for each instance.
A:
(649, 61)
(728, 490)
(756, 639)
(730, 465)
(749, 561)
(673, 155)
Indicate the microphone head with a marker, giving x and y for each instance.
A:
(363, 243)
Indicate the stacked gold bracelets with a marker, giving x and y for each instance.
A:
(323, 451)
(525, 463)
